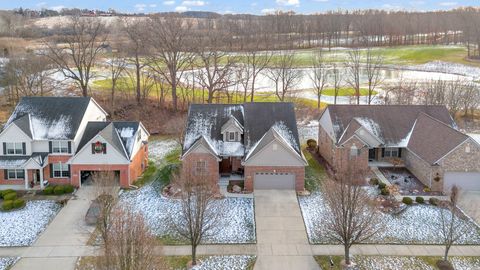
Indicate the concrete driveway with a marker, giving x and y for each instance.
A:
(470, 204)
(281, 237)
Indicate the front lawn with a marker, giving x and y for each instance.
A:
(22, 227)
(397, 262)
(7, 262)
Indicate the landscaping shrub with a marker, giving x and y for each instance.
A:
(420, 200)
(311, 143)
(385, 192)
(407, 200)
(374, 181)
(5, 192)
(69, 188)
(18, 203)
(7, 205)
(433, 201)
(48, 190)
(382, 185)
(58, 190)
(10, 196)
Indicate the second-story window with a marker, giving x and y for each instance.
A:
(60, 147)
(15, 148)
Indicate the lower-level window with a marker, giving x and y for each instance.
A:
(391, 152)
(16, 174)
(61, 170)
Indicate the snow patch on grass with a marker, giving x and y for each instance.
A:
(465, 263)
(22, 227)
(390, 263)
(158, 149)
(7, 262)
(232, 262)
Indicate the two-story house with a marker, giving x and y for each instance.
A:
(58, 140)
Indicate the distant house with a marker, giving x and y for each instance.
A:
(256, 144)
(424, 138)
(62, 140)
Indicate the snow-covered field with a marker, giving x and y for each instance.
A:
(21, 228)
(447, 67)
(418, 224)
(158, 149)
(7, 262)
(232, 262)
(238, 227)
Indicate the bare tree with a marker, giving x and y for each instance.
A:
(256, 61)
(284, 75)
(76, 57)
(353, 71)
(352, 216)
(172, 42)
(131, 245)
(200, 213)
(337, 82)
(373, 70)
(116, 67)
(318, 76)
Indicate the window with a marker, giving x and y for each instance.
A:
(231, 136)
(391, 152)
(60, 170)
(354, 151)
(467, 149)
(60, 147)
(201, 167)
(15, 148)
(139, 136)
(16, 174)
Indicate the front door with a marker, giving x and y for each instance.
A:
(225, 166)
(372, 154)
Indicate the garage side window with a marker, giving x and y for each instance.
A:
(200, 167)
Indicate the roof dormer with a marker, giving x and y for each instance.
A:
(232, 130)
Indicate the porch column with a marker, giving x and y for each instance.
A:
(41, 178)
(27, 184)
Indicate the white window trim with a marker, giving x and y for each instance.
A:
(59, 146)
(16, 174)
(389, 152)
(61, 170)
(14, 149)
(231, 136)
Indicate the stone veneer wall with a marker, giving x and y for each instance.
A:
(461, 161)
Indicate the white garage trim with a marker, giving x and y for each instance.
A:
(466, 181)
(270, 180)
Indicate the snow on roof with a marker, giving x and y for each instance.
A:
(127, 136)
(13, 163)
(286, 133)
(200, 126)
(475, 137)
(44, 130)
(234, 149)
(371, 126)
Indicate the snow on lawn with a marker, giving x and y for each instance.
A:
(390, 263)
(239, 224)
(21, 228)
(7, 262)
(447, 67)
(158, 149)
(465, 263)
(308, 130)
(418, 224)
(231, 262)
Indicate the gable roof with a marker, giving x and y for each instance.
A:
(389, 123)
(256, 118)
(45, 118)
(441, 139)
(119, 134)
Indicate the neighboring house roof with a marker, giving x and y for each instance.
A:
(431, 139)
(45, 118)
(206, 121)
(119, 134)
(391, 124)
(475, 137)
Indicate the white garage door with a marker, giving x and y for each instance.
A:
(274, 181)
(465, 180)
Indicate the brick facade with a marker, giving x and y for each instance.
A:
(189, 162)
(297, 170)
(139, 163)
(77, 169)
(461, 161)
(425, 172)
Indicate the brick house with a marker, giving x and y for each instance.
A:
(424, 139)
(256, 144)
(62, 140)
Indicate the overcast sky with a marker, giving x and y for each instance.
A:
(239, 6)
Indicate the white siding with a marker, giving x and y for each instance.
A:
(40, 146)
(92, 113)
(15, 134)
(275, 154)
(326, 123)
(138, 143)
(86, 157)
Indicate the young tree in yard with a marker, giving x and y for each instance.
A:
(79, 50)
(131, 245)
(353, 71)
(284, 75)
(318, 76)
(171, 39)
(373, 70)
(352, 216)
(201, 213)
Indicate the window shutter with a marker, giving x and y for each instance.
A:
(4, 148)
(69, 174)
(5, 174)
(50, 146)
(399, 152)
(24, 147)
(69, 147)
(93, 148)
(104, 148)
(383, 152)
(51, 170)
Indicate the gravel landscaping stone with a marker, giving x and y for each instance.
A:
(22, 227)
(233, 262)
